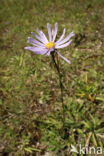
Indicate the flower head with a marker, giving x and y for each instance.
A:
(43, 46)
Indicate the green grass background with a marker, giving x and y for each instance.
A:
(30, 106)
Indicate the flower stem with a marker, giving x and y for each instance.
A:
(61, 84)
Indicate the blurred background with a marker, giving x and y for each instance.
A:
(30, 105)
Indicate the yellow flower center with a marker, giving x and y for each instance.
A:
(50, 45)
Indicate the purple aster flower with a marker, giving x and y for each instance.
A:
(43, 46)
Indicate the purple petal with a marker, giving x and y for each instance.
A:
(42, 35)
(35, 41)
(63, 45)
(62, 36)
(32, 43)
(48, 53)
(37, 50)
(66, 39)
(50, 50)
(39, 38)
(64, 58)
(55, 32)
(49, 32)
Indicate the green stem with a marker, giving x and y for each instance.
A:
(60, 80)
